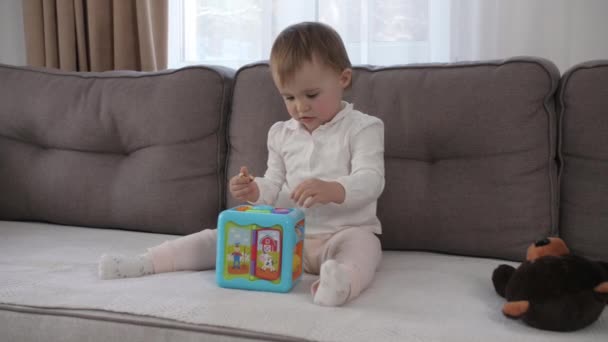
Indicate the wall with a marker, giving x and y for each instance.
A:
(12, 44)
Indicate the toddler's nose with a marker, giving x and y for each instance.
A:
(302, 107)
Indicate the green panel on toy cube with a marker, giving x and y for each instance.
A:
(260, 248)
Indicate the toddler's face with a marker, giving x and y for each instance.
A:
(313, 97)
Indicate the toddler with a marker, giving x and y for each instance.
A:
(328, 159)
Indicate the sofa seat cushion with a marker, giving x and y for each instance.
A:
(417, 296)
(130, 150)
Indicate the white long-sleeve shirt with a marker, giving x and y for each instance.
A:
(349, 150)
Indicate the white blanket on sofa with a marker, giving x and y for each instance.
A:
(416, 296)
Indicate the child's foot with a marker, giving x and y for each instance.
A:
(120, 266)
(334, 286)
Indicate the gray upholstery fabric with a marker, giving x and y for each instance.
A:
(25, 324)
(583, 101)
(256, 105)
(140, 151)
(470, 150)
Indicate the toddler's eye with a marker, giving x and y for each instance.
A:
(312, 96)
(288, 98)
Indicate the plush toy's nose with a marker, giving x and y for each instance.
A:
(542, 242)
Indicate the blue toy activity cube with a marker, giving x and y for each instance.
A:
(260, 248)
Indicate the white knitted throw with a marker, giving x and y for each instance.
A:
(416, 296)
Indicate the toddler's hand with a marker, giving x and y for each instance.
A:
(313, 191)
(243, 187)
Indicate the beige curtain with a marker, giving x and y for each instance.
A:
(96, 35)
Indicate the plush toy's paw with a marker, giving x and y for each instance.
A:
(120, 266)
(516, 309)
(602, 288)
(602, 291)
(500, 278)
(334, 285)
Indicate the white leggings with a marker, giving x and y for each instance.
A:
(357, 249)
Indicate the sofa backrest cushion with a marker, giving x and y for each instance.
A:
(129, 150)
(583, 103)
(256, 105)
(469, 157)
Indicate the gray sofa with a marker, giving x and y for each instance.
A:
(482, 159)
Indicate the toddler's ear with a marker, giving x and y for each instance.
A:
(346, 77)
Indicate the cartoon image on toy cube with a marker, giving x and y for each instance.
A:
(239, 251)
(267, 253)
(297, 255)
(260, 248)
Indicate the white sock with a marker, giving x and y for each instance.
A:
(334, 285)
(120, 266)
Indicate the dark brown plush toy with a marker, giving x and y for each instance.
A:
(553, 289)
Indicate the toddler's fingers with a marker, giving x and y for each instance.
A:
(303, 197)
(242, 193)
(310, 201)
(238, 187)
(242, 180)
(233, 180)
(297, 192)
(248, 178)
(244, 174)
(295, 196)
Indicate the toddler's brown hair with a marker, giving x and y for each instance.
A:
(305, 42)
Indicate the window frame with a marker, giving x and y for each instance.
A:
(435, 49)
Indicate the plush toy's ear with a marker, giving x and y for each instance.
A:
(516, 309)
(549, 246)
(500, 278)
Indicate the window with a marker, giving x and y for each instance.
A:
(236, 32)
